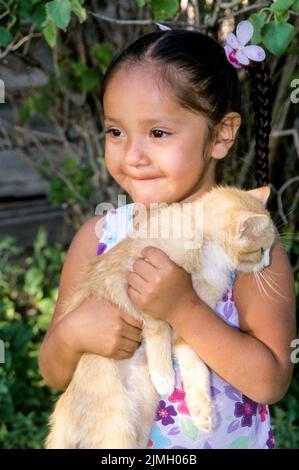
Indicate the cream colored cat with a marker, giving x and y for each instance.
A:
(112, 404)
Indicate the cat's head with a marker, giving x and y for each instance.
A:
(238, 221)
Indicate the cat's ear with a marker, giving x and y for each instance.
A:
(262, 194)
(252, 223)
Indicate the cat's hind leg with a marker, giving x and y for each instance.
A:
(144, 395)
(62, 432)
(158, 345)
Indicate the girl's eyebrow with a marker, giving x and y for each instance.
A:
(145, 121)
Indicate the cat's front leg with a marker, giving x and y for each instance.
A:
(196, 379)
(158, 345)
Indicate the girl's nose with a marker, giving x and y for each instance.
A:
(136, 154)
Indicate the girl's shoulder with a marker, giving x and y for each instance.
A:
(87, 237)
(82, 248)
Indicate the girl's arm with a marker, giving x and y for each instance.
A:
(94, 326)
(57, 359)
(256, 360)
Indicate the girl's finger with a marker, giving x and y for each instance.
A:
(131, 321)
(121, 354)
(128, 345)
(132, 333)
(137, 282)
(144, 268)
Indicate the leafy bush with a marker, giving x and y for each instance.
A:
(286, 417)
(28, 294)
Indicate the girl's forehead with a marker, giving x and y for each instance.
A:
(139, 94)
(143, 95)
(133, 81)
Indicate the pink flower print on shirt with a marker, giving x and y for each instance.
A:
(178, 396)
(271, 440)
(150, 443)
(262, 411)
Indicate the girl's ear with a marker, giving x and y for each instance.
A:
(262, 194)
(226, 135)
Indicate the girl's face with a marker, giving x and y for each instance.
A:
(153, 146)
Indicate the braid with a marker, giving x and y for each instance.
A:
(262, 107)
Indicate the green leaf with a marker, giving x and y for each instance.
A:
(277, 36)
(33, 105)
(24, 334)
(50, 32)
(78, 69)
(295, 5)
(90, 80)
(24, 9)
(45, 306)
(141, 3)
(164, 9)
(5, 37)
(71, 163)
(33, 279)
(103, 54)
(40, 240)
(257, 20)
(60, 12)
(86, 191)
(282, 17)
(38, 15)
(78, 10)
(281, 6)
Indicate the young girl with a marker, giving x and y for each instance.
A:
(171, 104)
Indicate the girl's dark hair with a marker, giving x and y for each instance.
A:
(195, 67)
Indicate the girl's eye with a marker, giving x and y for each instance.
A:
(159, 131)
(111, 131)
(163, 132)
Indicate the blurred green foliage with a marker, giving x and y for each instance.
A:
(28, 292)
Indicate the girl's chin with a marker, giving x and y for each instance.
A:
(147, 201)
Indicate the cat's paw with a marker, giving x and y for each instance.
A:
(200, 408)
(164, 384)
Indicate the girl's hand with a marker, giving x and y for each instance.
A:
(96, 327)
(158, 285)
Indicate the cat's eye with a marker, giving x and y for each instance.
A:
(260, 250)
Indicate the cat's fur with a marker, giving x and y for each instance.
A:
(112, 404)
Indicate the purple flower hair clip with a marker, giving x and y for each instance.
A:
(163, 27)
(237, 53)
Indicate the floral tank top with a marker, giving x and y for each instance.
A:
(241, 423)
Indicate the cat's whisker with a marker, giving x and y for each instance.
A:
(286, 215)
(273, 288)
(275, 272)
(263, 273)
(289, 234)
(288, 237)
(258, 282)
(267, 271)
(261, 284)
